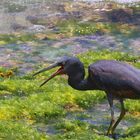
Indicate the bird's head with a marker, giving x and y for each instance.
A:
(70, 66)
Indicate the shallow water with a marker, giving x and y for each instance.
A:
(22, 17)
(26, 56)
(33, 17)
(100, 115)
(97, 117)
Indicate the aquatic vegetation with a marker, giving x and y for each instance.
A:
(23, 101)
(81, 135)
(61, 109)
(132, 133)
(16, 38)
(106, 54)
(18, 130)
(76, 28)
(87, 100)
(14, 7)
(133, 105)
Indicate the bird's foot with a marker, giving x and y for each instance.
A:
(115, 136)
(109, 133)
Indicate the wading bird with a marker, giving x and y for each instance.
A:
(118, 80)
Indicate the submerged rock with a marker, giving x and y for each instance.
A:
(121, 15)
(37, 28)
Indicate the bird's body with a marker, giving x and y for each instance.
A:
(119, 80)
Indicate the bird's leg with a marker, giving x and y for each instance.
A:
(110, 100)
(123, 111)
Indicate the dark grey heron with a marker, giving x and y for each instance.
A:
(119, 81)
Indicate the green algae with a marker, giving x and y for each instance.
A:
(23, 100)
(16, 38)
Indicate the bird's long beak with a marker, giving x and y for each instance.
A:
(58, 72)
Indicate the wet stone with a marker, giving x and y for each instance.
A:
(18, 27)
(121, 15)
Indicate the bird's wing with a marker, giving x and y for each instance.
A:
(116, 75)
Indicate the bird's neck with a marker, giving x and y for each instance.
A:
(82, 84)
